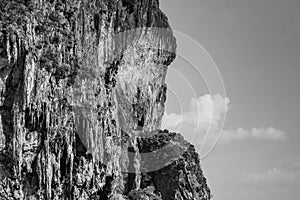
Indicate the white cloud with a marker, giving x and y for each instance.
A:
(205, 115)
(269, 133)
(202, 125)
(204, 111)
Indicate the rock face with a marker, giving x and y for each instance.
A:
(82, 97)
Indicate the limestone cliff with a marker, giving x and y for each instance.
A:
(82, 93)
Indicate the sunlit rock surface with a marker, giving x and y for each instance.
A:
(80, 83)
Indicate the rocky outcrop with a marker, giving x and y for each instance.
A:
(82, 96)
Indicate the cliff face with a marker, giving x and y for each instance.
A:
(81, 82)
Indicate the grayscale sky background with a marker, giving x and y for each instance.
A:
(256, 46)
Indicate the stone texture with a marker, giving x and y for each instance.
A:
(79, 82)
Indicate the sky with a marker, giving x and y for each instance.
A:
(255, 45)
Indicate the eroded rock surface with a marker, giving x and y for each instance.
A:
(79, 80)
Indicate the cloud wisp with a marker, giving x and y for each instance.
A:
(269, 133)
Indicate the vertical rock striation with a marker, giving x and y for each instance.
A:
(79, 82)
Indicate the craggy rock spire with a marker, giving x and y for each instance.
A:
(80, 82)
